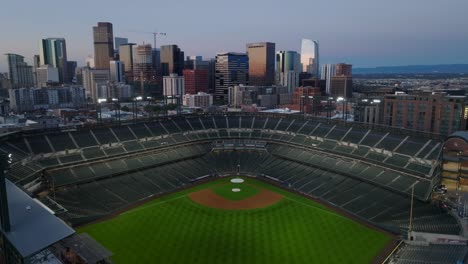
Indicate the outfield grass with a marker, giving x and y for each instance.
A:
(173, 229)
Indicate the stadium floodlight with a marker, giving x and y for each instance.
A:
(101, 100)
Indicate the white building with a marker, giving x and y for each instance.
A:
(173, 86)
(310, 56)
(91, 78)
(327, 72)
(89, 62)
(116, 71)
(46, 74)
(200, 99)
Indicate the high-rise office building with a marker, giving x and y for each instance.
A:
(53, 52)
(103, 45)
(126, 57)
(288, 68)
(172, 60)
(92, 79)
(343, 69)
(71, 68)
(231, 69)
(197, 63)
(118, 41)
(196, 81)
(191, 61)
(327, 72)
(310, 57)
(261, 63)
(143, 63)
(116, 71)
(19, 72)
(156, 53)
(174, 87)
(341, 86)
(47, 74)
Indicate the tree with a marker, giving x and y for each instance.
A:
(125, 108)
(171, 106)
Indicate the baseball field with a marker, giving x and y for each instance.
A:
(231, 222)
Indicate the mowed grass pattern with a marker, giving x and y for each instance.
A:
(173, 229)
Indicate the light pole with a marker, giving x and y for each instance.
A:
(116, 109)
(341, 99)
(329, 100)
(303, 105)
(309, 104)
(100, 101)
(135, 104)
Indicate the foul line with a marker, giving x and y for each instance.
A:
(151, 205)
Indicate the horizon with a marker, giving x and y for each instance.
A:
(363, 33)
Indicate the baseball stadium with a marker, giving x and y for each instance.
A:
(234, 188)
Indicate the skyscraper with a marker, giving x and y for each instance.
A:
(172, 60)
(116, 71)
(71, 68)
(288, 68)
(310, 57)
(103, 45)
(126, 57)
(231, 69)
(19, 72)
(173, 86)
(343, 69)
(53, 52)
(196, 81)
(261, 63)
(143, 63)
(118, 41)
(327, 72)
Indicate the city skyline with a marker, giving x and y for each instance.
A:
(363, 33)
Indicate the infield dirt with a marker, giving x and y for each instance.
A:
(262, 199)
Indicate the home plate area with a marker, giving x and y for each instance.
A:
(235, 195)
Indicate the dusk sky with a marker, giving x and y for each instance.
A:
(365, 33)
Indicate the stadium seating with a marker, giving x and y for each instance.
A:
(431, 254)
(368, 173)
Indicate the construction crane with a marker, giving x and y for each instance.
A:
(155, 35)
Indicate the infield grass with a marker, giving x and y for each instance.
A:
(225, 190)
(174, 229)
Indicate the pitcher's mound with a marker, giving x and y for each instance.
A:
(263, 198)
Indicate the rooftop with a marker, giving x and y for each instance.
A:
(33, 227)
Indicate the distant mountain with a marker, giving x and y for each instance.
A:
(414, 69)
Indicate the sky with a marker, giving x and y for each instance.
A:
(365, 33)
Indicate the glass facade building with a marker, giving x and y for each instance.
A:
(310, 56)
(103, 45)
(231, 69)
(261, 63)
(53, 52)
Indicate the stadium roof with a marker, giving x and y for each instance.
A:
(460, 134)
(33, 228)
